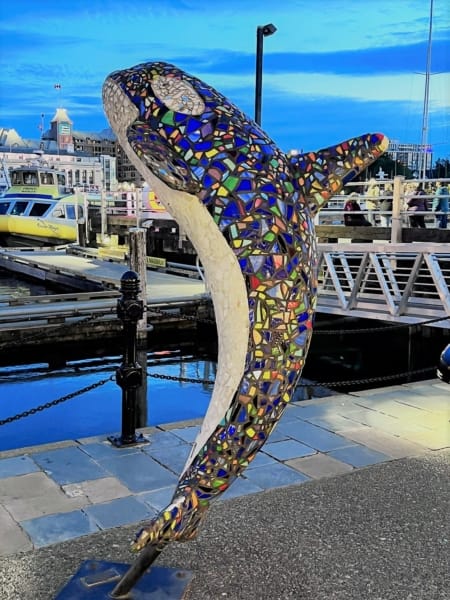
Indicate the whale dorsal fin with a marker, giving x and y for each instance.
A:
(324, 173)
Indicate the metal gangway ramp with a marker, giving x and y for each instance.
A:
(404, 283)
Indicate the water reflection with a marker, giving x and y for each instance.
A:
(97, 412)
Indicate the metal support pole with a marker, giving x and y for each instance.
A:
(261, 32)
(258, 74)
(396, 225)
(129, 375)
(146, 558)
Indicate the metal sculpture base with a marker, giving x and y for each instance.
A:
(96, 579)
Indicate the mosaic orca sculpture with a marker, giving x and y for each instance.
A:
(248, 209)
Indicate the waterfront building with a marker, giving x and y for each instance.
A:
(93, 161)
(417, 157)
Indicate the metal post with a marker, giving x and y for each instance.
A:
(258, 75)
(261, 32)
(396, 225)
(129, 375)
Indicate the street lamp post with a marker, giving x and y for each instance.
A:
(262, 31)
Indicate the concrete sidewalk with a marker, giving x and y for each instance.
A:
(64, 491)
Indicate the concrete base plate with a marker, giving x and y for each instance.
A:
(95, 580)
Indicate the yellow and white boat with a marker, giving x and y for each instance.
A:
(38, 209)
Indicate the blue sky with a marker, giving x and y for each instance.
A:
(333, 70)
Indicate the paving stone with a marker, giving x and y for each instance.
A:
(386, 423)
(158, 499)
(118, 512)
(315, 437)
(58, 528)
(270, 477)
(287, 449)
(262, 459)
(241, 487)
(334, 423)
(319, 465)
(187, 434)
(174, 458)
(139, 472)
(12, 539)
(34, 495)
(433, 440)
(18, 465)
(359, 456)
(98, 450)
(383, 442)
(69, 465)
(97, 490)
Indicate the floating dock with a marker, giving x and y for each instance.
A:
(90, 306)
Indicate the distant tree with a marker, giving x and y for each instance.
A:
(389, 166)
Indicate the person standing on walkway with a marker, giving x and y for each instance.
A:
(440, 205)
(386, 201)
(417, 204)
(372, 200)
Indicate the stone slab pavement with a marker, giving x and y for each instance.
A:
(52, 494)
(377, 533)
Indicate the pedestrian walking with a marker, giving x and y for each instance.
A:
(372, 200)
(440, 205)
(386, 200)
(417, 204)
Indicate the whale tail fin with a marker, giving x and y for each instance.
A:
(324, 173)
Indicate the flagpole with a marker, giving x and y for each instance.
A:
(424, 140)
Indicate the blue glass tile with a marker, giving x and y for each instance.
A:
(359, 456)
(274, 476)
(313, 436)
(118, 512)
(69, 465)
(288, 449)
(18, 465)
(58, 528)
(139, 472)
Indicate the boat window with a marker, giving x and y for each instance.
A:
(39, 208)
(16, 178)
(4, 207)
(47, 178)
(61, 179)
(70, 211)
(80, 211)
(58, 213)
(30, 178)
(19, 208)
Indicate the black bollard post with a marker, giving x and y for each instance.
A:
(129, 375)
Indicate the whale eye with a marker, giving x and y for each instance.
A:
(178, 95)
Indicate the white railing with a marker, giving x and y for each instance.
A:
(403, 282)
(333, 213)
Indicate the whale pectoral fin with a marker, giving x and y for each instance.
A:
(324, 173)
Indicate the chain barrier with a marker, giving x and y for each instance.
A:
(351, 382)
(93, 386)
(33, 411)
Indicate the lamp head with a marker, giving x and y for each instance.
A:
(268, 29)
